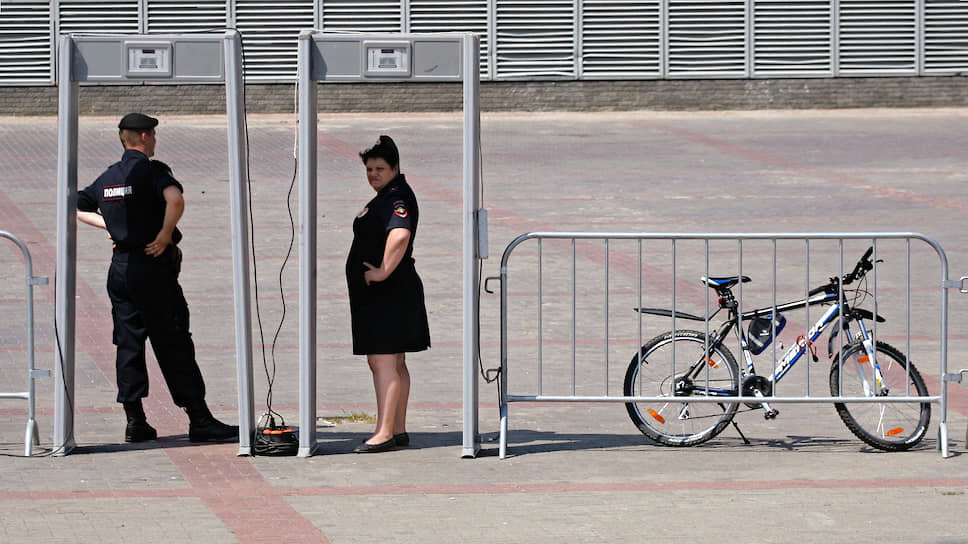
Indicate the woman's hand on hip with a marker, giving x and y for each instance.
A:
(373, 274)
(393, 252)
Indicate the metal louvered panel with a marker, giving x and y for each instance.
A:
(707, 38)
(453, 16)
(362, 16)
(25, 42)
(534, 39)
(177, 16)
(116, 16)
(270, 32)
(620, 39)
(792, 37)
(878, 37)
(945, 36)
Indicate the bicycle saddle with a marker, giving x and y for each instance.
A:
(725, 282)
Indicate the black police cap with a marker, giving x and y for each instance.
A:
(137, 121)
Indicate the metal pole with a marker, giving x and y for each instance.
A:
(307, 246)
(472, 186)
(31, 437)
(943, 424)
(65, 279)
(238, 195)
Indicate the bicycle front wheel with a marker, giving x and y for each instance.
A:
(673, 366)
(886, 426)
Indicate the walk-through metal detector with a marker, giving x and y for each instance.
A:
(163, 58)
(364, 58)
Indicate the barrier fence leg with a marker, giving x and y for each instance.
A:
(504, 432)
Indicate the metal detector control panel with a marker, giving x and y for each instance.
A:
(195, 58)
(147, 59)
(390, 57)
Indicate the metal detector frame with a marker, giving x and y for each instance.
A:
(315, 66)
(70, 73)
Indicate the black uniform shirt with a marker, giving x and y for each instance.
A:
(394, 206)
(130, 196)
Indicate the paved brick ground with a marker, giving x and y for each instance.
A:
(576, 472)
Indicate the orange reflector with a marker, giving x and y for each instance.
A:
(895, 431)
(712, 363)
(656, 415)
(864, 359)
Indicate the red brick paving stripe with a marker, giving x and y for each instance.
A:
(236, 492)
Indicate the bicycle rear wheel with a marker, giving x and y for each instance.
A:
(676, 421)
(886, 426)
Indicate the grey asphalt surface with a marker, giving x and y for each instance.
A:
(575, 472)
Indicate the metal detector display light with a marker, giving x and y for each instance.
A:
(386, 59)
(147, 59)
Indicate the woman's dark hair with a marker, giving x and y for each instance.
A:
(384, 149)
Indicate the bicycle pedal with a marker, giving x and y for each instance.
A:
(771, 414)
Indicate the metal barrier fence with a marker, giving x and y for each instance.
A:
(569, 332)
(30, 436)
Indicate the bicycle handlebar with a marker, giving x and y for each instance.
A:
(860, 270)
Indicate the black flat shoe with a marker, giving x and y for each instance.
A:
(376, 448)
(402, 439)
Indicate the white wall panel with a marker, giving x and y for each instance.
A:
(707, 38)
(177, 16)
(452, 16)
(535, 39)
(362, 16)
(878, 37)
(26, 42)
(122, 16)
(792, 37)
(270, 32)
(620, 39)
(946, 36)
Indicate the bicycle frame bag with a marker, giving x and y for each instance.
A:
(761, 331)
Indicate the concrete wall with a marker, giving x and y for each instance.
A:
(687, 94)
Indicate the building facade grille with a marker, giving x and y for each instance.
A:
(541, 39)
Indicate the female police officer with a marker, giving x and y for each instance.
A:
(387, 309)
(140, 202)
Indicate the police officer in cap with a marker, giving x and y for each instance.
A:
(139, 202)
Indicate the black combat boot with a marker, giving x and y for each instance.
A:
(203, 427)
(138, 429)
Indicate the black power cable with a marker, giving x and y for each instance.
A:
(270, 438)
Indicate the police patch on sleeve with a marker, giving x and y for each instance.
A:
(400, 208)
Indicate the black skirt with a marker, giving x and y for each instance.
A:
(389, 316)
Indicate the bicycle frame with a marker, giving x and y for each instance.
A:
(839, 311)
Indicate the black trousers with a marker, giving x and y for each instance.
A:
(148, 303)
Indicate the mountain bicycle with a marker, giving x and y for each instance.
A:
(702, 366)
